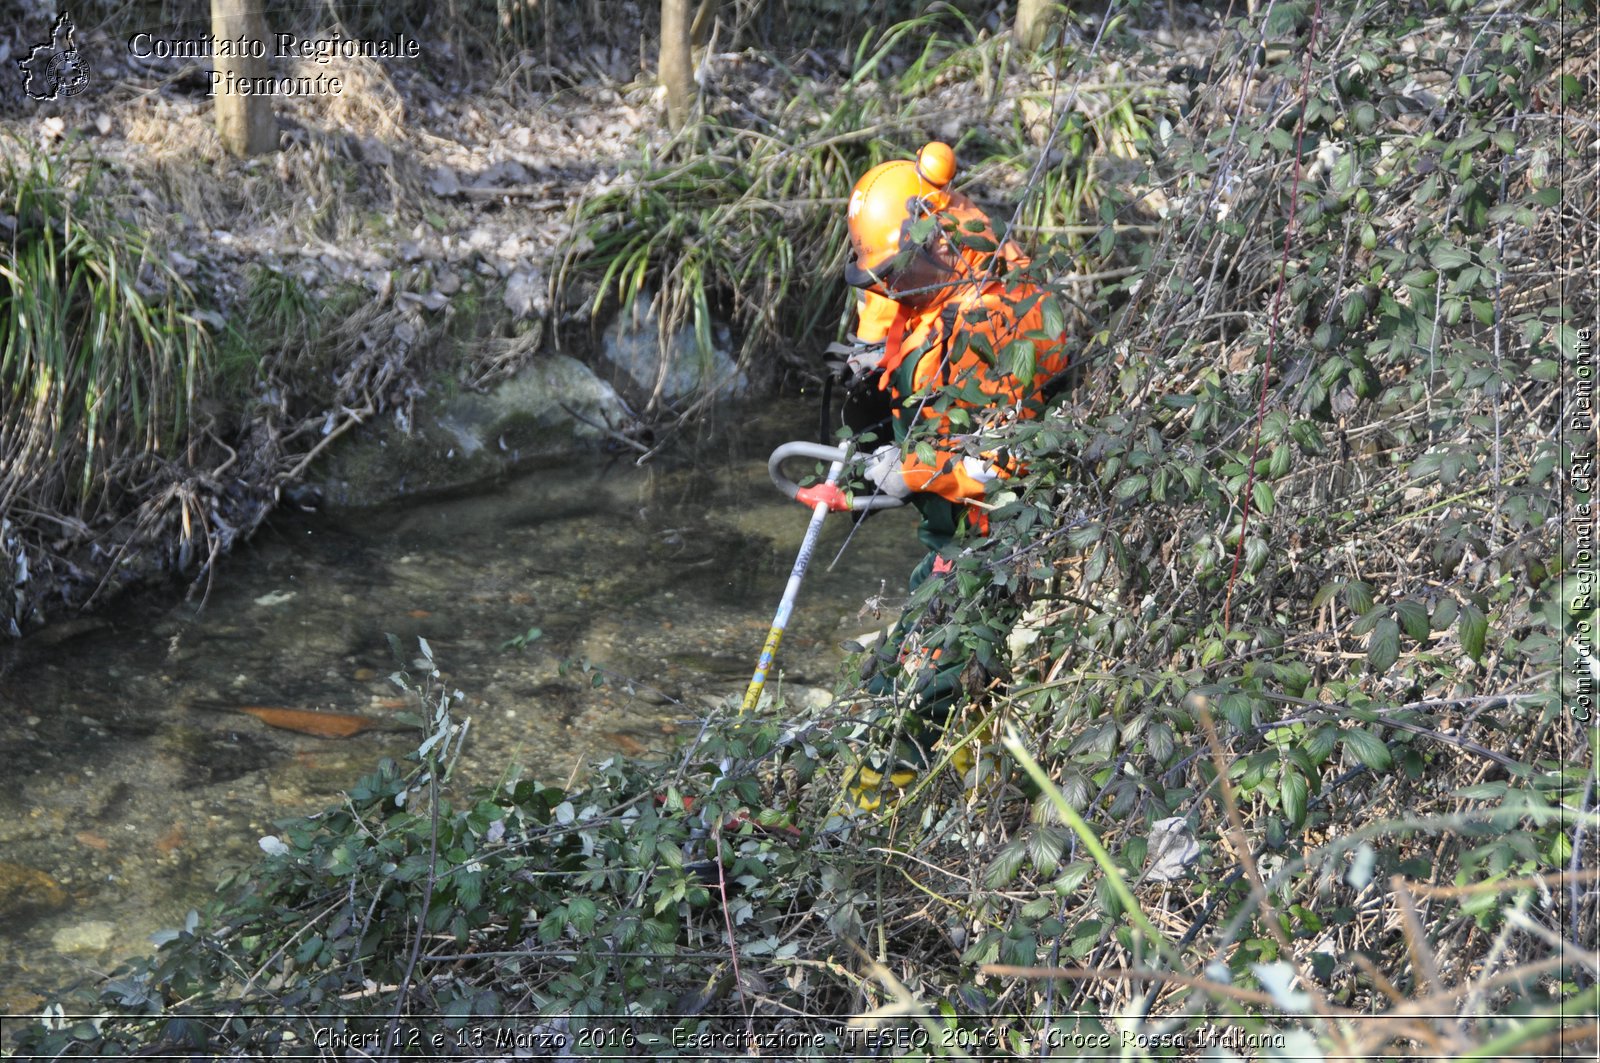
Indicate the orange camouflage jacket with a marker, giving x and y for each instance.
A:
(956, 340)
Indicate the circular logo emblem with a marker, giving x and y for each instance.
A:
(69, 73)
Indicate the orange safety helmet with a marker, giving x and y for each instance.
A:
(886, 200)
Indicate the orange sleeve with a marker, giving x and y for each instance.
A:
(874, 316)
(945, 478)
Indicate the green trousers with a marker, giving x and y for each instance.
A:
(929, 686)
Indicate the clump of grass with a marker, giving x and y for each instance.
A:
(101, 353)
(1058, 147)
(744, 222)
(276, 305)
(745, 213)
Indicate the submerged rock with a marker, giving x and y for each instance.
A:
(92, 936)
(553, 406)
(682, 366)
(543, 410)
(26, 889)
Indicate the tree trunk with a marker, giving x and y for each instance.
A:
(245, 121)
(1033, 20)
(677, 65)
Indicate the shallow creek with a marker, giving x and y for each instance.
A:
(133, 778)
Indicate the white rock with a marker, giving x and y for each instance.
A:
(96, 936)
(444, 182)
(525, 293)
(633, 343)
(1172, 849)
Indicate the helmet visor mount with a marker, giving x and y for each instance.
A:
(923, 277)
(915, 275)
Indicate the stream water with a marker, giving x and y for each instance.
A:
(134, 779)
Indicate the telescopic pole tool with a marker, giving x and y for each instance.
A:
(823, 498)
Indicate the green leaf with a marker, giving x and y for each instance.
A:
(1293, 790)
(1421, 280)
(1473, 630)
(1302, 760)
(1483, 791)
(1072, 877)
(1020, 359)
(1294, 675)
(308, 950)
(1055, 323)
(1448, 256)
(1368, 748)
(1235, 708)
(1383, 648)
(553, 923)
(1131, 487)
(1319, 747)
(1413, 619)
(581, 913)
(1261, 492)
(1007, 862)
(1358, 597)
(1566, 339)
(1045, 846)
(1355, 310)
(1160, 742)
(1108, 899)
(1308, 437)
(1096, 565)
(1085, 536)
(1369, 620)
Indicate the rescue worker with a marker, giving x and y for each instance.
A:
(943, 296)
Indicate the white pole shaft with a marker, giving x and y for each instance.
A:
(808, 545)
